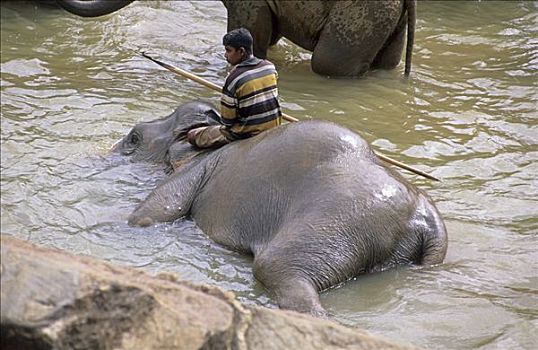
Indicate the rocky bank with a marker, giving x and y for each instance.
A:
(51, 299)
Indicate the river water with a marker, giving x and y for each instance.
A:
(71, 87)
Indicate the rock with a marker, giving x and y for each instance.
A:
(55, 300)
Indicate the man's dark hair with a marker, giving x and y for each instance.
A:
(237, 38)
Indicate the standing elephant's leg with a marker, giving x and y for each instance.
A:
(347, 45)
(256, 16)
(354, 34)
(390, 55)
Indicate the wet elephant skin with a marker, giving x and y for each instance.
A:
(310, 201)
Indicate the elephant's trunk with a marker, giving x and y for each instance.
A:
(411, 20)
(92, 8)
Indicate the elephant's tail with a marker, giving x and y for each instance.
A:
(411, 20)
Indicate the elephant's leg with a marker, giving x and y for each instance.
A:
(345, 55)
(290, 290)
(170, 200)
(256, 16)
(352, 37)
(334, 58)
(290, 265)
(390, 55)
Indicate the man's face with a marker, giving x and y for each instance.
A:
(234, 56)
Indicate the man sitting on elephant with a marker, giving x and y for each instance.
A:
(249, 101)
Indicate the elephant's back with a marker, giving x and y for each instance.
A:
(256, 184)
(296, 156)
(313, 140)
(306, 159)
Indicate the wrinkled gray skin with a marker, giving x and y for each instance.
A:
(310, 201)
(347, 38)
(152, 141)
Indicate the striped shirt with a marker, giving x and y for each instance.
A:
(249, 102)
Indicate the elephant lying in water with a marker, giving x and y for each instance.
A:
(309, 200)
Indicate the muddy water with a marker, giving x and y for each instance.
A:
(71, 87)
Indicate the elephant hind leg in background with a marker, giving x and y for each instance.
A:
(390, 54)
(371, 37)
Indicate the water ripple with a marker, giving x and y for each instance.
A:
(71, 87)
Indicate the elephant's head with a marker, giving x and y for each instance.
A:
(163, 140)
(92, 8)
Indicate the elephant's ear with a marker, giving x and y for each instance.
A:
(157, 149)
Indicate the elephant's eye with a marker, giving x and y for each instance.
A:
(135, 138)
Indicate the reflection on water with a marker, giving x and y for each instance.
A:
(71, 87)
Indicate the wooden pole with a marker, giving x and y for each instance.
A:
(289, 118)
(202, 81)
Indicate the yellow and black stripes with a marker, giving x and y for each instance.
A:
(249, 103)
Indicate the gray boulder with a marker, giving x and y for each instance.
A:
(51, 299)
